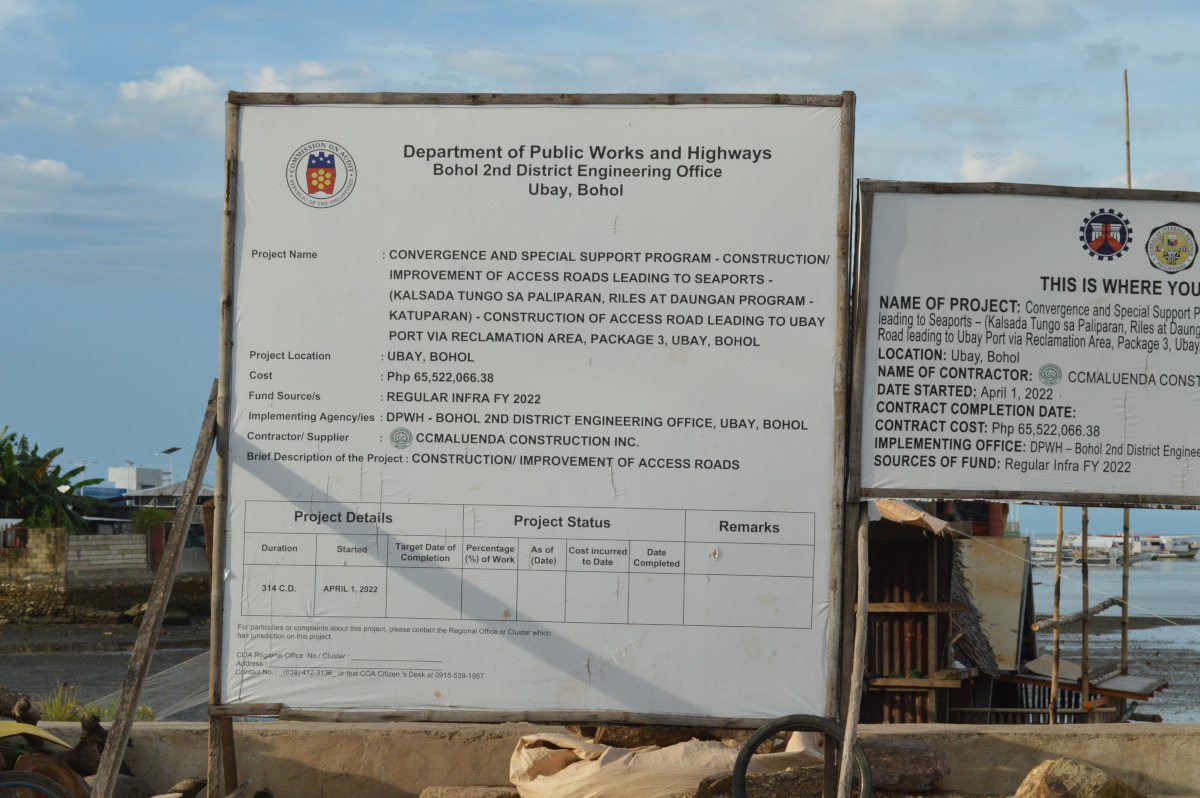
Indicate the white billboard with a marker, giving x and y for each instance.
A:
(1029, 342)
(532, 407)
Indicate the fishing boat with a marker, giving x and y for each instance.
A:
(1108, 550)
(1168, 547)
(1041, 554)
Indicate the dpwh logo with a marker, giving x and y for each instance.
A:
(321, 174)
(1105, 234)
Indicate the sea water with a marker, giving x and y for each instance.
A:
(1166, 644)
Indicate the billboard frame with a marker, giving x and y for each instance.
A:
(867, 189)
(220, 711)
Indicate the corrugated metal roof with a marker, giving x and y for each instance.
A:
(174, 489)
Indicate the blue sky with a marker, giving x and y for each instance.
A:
(111, 124)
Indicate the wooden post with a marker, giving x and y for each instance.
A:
(1125, 598)
(220, 729)
(932, 709)
(1084, 687)
(1058, 547)
(143, 650)
(860, 658)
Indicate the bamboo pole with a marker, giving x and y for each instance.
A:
(1125, 535)
(1075, 617)
(859, 662)
(1128, 163)
(1058, 547)
(1125, 599)
(1084, 687)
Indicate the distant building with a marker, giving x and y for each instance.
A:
(134, 478)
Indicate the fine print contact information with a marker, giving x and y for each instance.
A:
(264, 657)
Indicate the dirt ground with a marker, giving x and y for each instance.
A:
(808, 783)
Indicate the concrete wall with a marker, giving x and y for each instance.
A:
(296, 760)
(193, 561)
(330, 760)
(53, 554)
(43, 556)
(32, 578)
(93, 557)
(103, 572)
(1153, 758)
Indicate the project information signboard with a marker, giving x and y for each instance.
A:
(1029, 342)
(532, 407)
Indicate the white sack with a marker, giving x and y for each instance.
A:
(563, 766)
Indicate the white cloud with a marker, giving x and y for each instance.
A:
(1000, 18)
(170, 83)
(177, 102)
(266, 79)
(979, 167)
(313, 76)
(62, 229)
(600, 71)
(886, 21)
(12, 10)
(36, 108)
(17, 169)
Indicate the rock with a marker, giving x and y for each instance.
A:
(1069, 778)
(718, 784)
(469, 792)
(126, 787)
(586, 732)
(8, 702)
(84, 758)
(905, 765)
(189, 788)
(54, 768)
(25, 712)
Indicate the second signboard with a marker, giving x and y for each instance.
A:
(1029, 342)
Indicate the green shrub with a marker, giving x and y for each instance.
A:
(64, 705)
(146, 518)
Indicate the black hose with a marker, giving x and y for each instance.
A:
(799, 723)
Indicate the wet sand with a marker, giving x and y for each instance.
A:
(1167, 648)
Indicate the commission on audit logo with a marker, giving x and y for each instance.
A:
(321, 174)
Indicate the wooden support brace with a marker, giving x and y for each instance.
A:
(1076, 617)
(143, 649)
